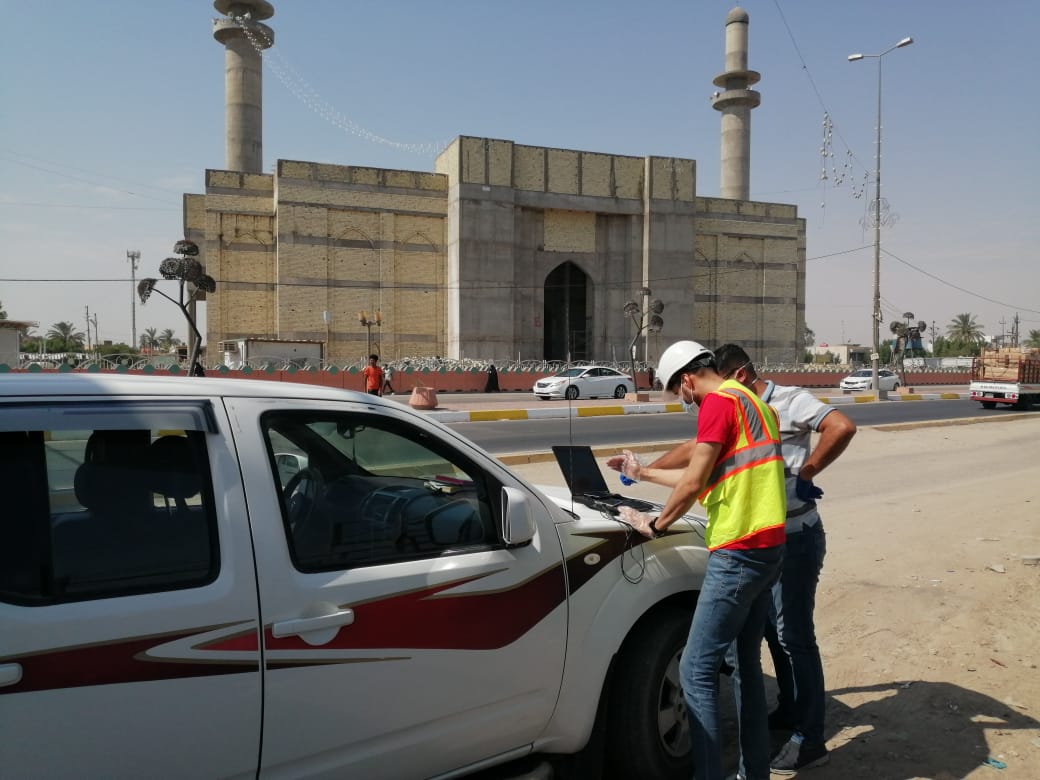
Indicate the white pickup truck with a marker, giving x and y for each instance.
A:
(206, 577)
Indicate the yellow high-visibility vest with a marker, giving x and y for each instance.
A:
(745, 498)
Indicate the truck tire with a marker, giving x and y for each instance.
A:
(648, 731)
(989, 404)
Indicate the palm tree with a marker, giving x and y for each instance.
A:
(167, 340)
(1034, 339)
(66, 337)
(149, 340)
(964, 330)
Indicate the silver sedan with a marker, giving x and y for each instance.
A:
(584, 382)
(861, 380)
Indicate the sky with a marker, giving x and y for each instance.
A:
(110, 110)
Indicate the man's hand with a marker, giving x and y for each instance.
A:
(640, 521)
(628, 464)
(806, 490)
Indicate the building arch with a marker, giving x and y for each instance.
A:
(567, 297)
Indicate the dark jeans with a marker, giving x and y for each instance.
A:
(733, 605)
(791, 634)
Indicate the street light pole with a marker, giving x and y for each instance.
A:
(133, 257)
(367, 323)
(875, 355)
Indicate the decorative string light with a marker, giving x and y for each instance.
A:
(305, 93)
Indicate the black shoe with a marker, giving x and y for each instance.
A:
(794, 756)
(779, 721)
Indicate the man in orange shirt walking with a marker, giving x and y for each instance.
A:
(373, 376)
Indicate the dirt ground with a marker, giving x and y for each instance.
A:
(928, 610)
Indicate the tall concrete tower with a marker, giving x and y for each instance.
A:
(243, 37)
(736, 104)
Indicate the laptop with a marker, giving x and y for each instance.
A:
(586, 482)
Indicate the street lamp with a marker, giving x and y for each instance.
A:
(876, 354)
(133, 256)
(187, 271)
(367, 323)
(650, 321)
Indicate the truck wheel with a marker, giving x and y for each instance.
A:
(989, 404)
(648, 731)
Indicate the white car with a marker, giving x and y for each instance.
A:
(584, 382)
(862, 379)
(249, 579)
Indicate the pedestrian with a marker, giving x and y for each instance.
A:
(388, 376)
(790, 632)
(735, 470)
(491, 386)
(373, 376)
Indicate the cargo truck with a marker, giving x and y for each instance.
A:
(1009, 375)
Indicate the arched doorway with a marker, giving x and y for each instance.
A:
(566, 298)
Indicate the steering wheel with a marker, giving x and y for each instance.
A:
(301, 494)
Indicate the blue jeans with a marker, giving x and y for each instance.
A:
(791, 634)
(733, 605)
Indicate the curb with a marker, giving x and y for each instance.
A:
(487, 415)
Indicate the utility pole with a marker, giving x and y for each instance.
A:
(133, 256)
(87, 308)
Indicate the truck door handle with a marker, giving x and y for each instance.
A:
(10, 674)
(327, 624)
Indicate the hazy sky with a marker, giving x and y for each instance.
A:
(110, 110)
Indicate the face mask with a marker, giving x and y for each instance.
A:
(689, 407)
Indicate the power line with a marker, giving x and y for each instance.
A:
(81, 179)
(956, 287)
(40, 204)
(89, 172)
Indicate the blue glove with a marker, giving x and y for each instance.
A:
(626, 481)
(806, 490)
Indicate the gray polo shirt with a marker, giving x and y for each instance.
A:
(800, 414)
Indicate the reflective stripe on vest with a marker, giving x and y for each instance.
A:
(745, 497)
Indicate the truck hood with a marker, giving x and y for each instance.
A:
(583, 517)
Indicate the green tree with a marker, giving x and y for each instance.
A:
(167, 340)
(149, 339)
(808, 337)
(1033, 340)
(3, 314)
(963, 329)
(33, 342)
(63, 337)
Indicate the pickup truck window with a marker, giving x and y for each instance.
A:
(361, 490)
(105, 512)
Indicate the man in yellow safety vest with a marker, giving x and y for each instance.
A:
(736, 471)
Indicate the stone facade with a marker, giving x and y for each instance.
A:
(504, 251)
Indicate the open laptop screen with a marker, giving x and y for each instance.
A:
(580, 470)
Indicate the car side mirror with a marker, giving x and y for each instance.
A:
(518, 526)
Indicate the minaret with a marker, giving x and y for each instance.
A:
(243, 37)
(736, 104)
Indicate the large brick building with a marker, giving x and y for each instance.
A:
(504, 251)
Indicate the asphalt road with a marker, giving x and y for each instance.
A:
(515, 436)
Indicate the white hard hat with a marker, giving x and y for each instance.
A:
(678, 356)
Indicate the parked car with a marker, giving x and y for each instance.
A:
(402, 606)
(862, 380)
(585, 382)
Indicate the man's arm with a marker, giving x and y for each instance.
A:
(666, 470)
(690, 483)
(677, 457)
(836, 431)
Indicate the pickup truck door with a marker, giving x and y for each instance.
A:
(401, 638)
(125, 572)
